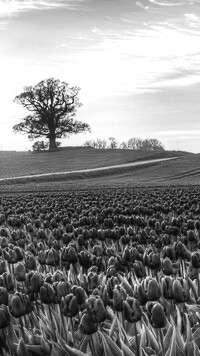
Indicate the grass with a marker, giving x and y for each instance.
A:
(184, 170)
(16, 164)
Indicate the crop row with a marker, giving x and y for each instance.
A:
(100, 272)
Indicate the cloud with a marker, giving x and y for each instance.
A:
(11, 7)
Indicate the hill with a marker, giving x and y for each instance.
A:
(15, 164)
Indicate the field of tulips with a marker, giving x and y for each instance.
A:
(101, 271)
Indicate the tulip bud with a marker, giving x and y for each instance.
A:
(117, 299)
(52, 257)
(69, 255)
(35, 281)
(2, 266)
(84, 259)
(131, 309)
(19, 253)
(80, 295)
(13, 256)
(17, 306)
(158, 318)
(31, 262)
(58, 276)
(8, 281)
(167, 266)
(4, 317)
(42, 257)
(153, 290)
(87, 326)
(93, 280)
(154, 260)
(96, 309)
(167, 283)
(98, 250)
(61, 290)
(169, 251)
(47, 294)
(195, 259)
(20, 272)
(180, 291)
(3, 296)
(69, 305)
(181, 250)
(141, 295)
(139, 269)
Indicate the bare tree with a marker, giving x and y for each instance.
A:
(113, 144)
(53, 105)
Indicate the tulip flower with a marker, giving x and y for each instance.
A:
(19, 253)
(69, 255)
(167, 290)
(20, 272)
(195, 259)
(17, 305)
(118, 299)
(154, 260)
(131, 309)
(80, 294)
(42, 257)
(158, 318)
(4, 317)
(141, 294)
(167, 266)
(3, 296)
(153, 290)
(96, 309)
(87, 326)
(8, 281)
(61, 290)
(47, 294)
(31, 262)
(139, 269)
(2, 266)
(180, 290)
(69, 305)
(35, 281)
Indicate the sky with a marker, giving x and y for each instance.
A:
(137, 64)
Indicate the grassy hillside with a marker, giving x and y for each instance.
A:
(14, 164)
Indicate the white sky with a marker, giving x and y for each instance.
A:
(137, 63)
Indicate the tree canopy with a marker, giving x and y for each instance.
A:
(53, 105)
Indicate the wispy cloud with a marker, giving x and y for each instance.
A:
(11, 7)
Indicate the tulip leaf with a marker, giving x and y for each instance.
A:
(71, 351)
(172, 347)
(125, 284)
(196, 350)
(188, 329)
(167, 338)
(126, 350)
(152, 340)
(36, 349)
(107, 350)
(96, 340)
(148, 351)
(113, 347)
(83, 344)
(192, 286)
(143, 338)
(179, 319)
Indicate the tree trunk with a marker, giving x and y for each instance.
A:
(52, 143)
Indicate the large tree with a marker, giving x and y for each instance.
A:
(53, 105)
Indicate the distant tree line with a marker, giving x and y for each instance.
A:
(134, 143)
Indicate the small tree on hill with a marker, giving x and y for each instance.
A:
(53, 105)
